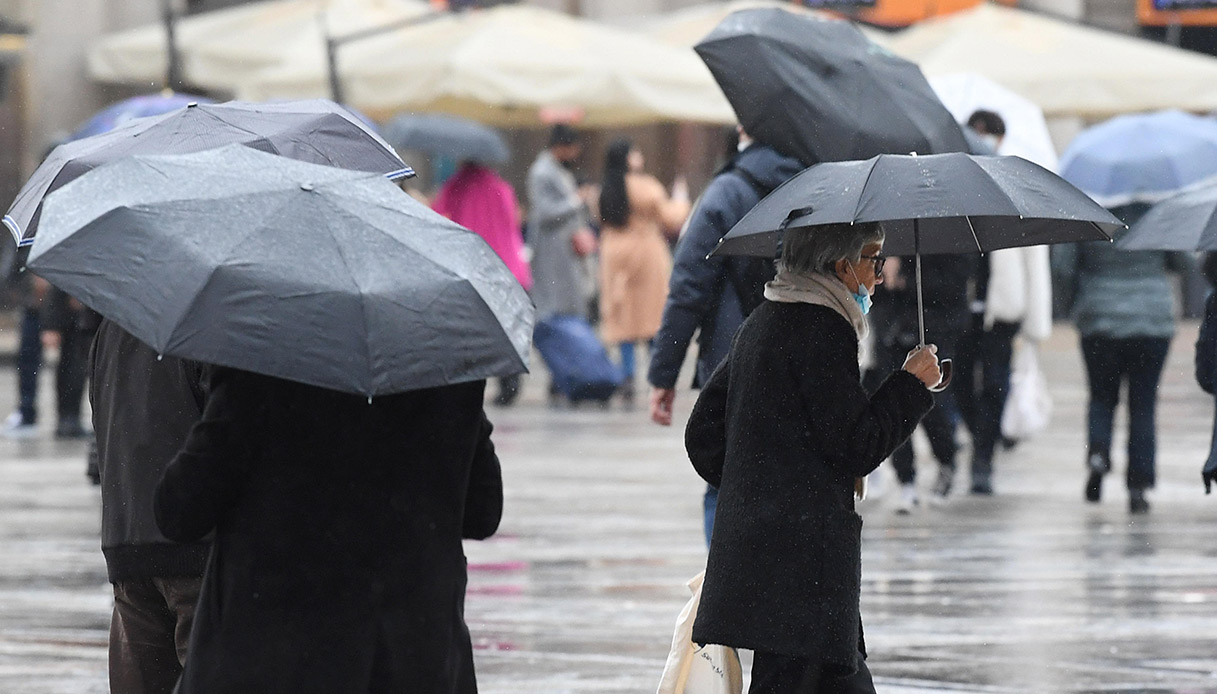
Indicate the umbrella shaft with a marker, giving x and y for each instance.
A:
(917, 269)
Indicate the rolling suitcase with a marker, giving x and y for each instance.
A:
(578, 363)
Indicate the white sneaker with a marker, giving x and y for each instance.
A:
(908, 499)
(15, 427)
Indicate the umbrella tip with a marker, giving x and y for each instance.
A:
(160, 357)
(369, 399)
(307, 186)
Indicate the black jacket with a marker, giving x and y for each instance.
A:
(143, 409)
(782, 429)
(945, 284)
(701, 292)
(337, 564)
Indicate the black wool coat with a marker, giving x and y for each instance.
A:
(337, 563)
(782, 429)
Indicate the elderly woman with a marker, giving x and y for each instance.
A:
(784, 429)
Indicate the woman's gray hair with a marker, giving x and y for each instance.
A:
(818, 249)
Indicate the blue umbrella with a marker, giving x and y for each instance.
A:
(140, 106)
(1142, 158)
(447, 136)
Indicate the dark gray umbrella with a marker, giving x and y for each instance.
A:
(321, 275)
(449, 136)
(1184, 222)
(317, 131)
(939, 203)
(819, 90)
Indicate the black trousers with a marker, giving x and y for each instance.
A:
(779, 674)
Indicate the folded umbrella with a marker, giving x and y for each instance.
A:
(449, 136)
(819, 90)
(942, 203)
(325, 276)
(317, 131)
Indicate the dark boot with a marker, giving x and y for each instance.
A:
(1136, 501)
(1098, 464)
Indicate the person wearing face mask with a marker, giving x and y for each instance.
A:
(784, 429)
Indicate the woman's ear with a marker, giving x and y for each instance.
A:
(842, 269)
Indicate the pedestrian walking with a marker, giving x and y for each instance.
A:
(338, 522)
(712, 296)
(637, 219)
(1206, 360)
(946, 283)
(479, 199)
(784, 428)
(558, 227)
(144, 405)
(1125, 316)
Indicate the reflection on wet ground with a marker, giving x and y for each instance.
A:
(1029, 591)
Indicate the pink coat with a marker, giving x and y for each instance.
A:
(479, 199)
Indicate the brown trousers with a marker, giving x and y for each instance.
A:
(149, 633)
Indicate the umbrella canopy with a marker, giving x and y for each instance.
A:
(944, 203)
(326, 276)
(511, 66)
(449, 136)
(1184, 222)
(141, 106)
(1026, 129)
(1067, 68)
(317, 131)
(818, 90)
(688, 25)
(221, 49)
(1142, 157)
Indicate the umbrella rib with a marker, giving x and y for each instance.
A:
(363, 315)
(973, 230)
(857, 209)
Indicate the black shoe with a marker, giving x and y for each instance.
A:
(981, 487)
(71, 430)
(1094, 487)
(1137, 502)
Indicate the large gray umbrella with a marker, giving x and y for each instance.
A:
(1184, 222)
(321, 275)
(317, 131)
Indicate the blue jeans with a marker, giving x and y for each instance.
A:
(1109, 363)
(627, 360)
(709, 505)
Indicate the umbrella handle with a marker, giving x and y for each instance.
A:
(945, 380)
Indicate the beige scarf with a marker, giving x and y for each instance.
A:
(820, 289)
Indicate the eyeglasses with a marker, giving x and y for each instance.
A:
(878, 260)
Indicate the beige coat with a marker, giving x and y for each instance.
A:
(635, 262)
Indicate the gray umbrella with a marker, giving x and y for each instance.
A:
(321, 275)
(459, 138)
(317, 131)
(1185, 222)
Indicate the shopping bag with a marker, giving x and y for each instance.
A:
(1028, 405)
(694, 669)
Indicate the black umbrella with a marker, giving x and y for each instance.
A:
(1184, 222)
(317, 131)
(321, 275)
(940, 203)
(819, 90)
(459, 138)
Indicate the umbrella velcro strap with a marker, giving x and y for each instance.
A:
(795, 214)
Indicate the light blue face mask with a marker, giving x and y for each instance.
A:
(861, 296)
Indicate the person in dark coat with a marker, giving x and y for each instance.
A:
(1206, 361)
(712, 296)
(143, 409)
(337, 563)
(784, 429)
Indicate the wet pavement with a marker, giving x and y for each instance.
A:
(1031, 590)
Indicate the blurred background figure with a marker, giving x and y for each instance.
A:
(1124, 311)
(945, 281)
(1206, 360)
(559, 232)
(478, 198)
(1012, 296)
(637, 219)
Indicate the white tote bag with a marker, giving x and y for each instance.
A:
(1028, 405)
(693, 669)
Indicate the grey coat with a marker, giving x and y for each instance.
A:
(1120, 294)
(555, 213)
